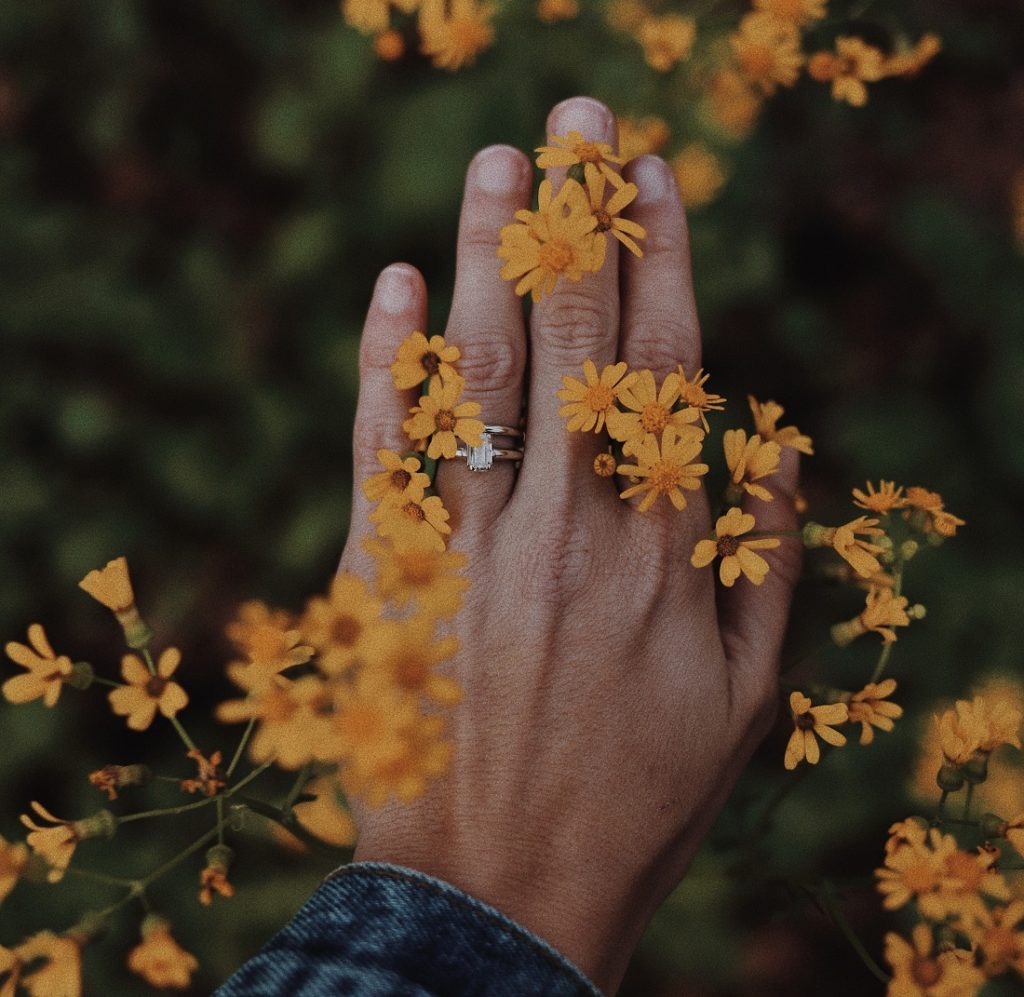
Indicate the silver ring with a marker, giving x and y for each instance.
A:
(482, 457)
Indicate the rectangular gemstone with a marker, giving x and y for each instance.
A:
(480, 458)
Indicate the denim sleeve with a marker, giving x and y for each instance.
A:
(373, 929)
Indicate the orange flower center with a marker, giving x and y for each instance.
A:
(920, 877)
(345, 631)
(155, 686)
(604, 220)
(966, 869)
(665, 476)
(604, 465)
(925, 972)
(431, 361)
(411, 671)
(417, 568)
(400, 479)
(445, 420)
(588, 152)
(414, 511)
(804, 721)
(599, 397)
(556, 255)
(362, 725)
(277, 706)
(654, 418)
(694, 395)
(727, 546)
(789, 9)
(757, 61)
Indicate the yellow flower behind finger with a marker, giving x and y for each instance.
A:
(737, 555)
(419, 358)
(766, 418)
(649, 411)
(606, 213)
(590, 401)
(401, 480)
(573, 148)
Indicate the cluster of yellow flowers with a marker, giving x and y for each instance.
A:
(349, 693)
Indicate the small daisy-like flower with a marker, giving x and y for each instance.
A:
(853, 64)
(732, 103)
(367, 16)
(885, 499)
(270, 642)
(409, 653)
(111, 778)
(444, 419)
(208, 780)
(159, 959)
(925, 509)
(651, 411)
(557, 240)
(968, 877)
(573, 148)
(641, 136)
(413, 523)
(59, 975)
(766, 418)
(420, 358)
(213, 878)
(882, 611)
(767, 51)
(389, 46)
(810, 723)
(915, 869)
(419, 573)
(13, 859)
(737, 555)
(588, 403)
(920, 972)
(46, 672)
(990, 723)
(909, 62)
(328, 816)
(56, 844)
(800, 12)
(858, 553)
(699, 174)
(1001, 939)
(666, 40)
(749, 461)
(604, 465)
(665, 470)
(693, 392)
(454, 32)
(342, 625)
(912, 831)
(959, 741)
(623, 229)
(145, 692)
(401, 480)
(871, 708)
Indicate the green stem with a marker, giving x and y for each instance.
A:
(942, 804)
(883, 658)
(185, 807)
(776, 800)
(967, 802)
(220, 820)
(297, 787)
(241, 747)
(148, 657)
(183, 734)
(291, 826)
(851, 936)
(99, 680)
(99, 877)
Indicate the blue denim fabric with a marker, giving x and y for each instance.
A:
(373, 929)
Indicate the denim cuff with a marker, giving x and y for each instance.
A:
(377, 929)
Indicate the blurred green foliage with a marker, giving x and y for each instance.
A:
(196, 200)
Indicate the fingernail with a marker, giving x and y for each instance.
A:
(585, 115)
(498, 170)
(652, 177)
(396, 290)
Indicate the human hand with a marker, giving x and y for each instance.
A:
(610, 700)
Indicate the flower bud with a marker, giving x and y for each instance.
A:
(220, 857)
(816, 535)
(846, 633)
(81, 675)
(908, 549)
(917, 611)
(934, 539)
(949, 778)
(975, 770)
(993, 826)
(111, 778)
(101, 824)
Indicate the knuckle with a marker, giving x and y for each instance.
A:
(376, 354)
(785, 561)
(658, 340)
(491, 362)
(575, 325)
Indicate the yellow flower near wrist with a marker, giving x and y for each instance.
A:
(145, 692)
(737, 555)
(918, 970)
(46, 671)
(810, 723)
(413, 523)
(327, 816)
(342, 625)
(420, 573)
(159, 959)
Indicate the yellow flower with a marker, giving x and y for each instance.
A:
(912, 831)
(589, 403)
(111, 778)
(454, 32)
(625, 15)
(665, 471)
(926, 511)
(641, 136)
(915, 869)
(268, 640)
(420, 573)
(442, 417)
(651, 412)
(111, 585)
(1015, 832)
(407, 652)
(990, 724)
(909, 62)
(145, 693)
(389, 46)
(622, 228)
(401, 480)
(368, 16)
(294, 727)
(342, 625)
(550, 11)
(1000, 938)
(870, 708)
(414, 523)
(46, 672)
(887, 498)
(737, 555)
(767, 51)
(858, 553)
(213, 878)
(56, 844)
(420, 358)
(666, 40)
(800, 12)
(159, 959)
(557, 240)
(882, 611)
(918, 972)
(967, 878)
(699, 175)
(853, 64)
(60, 975)
(327, 816)
(208, 779)
(958, 741)
(604, 465)
(732, 103)
(809, 721)
(13, 858)
(749, 461)
(573, 148)
(693, 392)
(766, 418)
